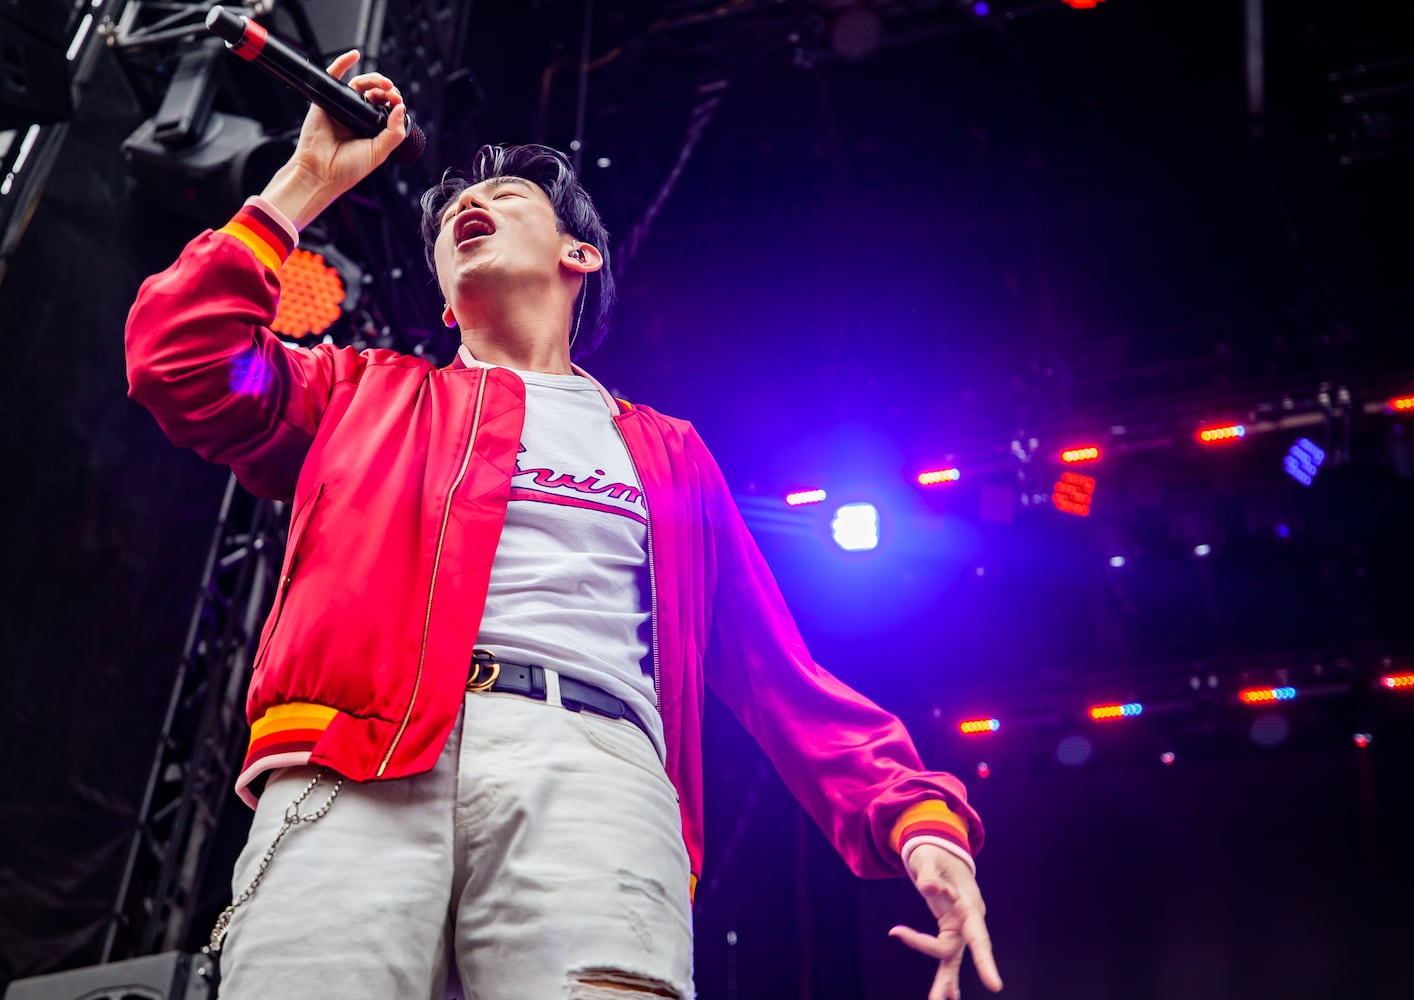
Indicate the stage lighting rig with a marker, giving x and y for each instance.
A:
(201, 162)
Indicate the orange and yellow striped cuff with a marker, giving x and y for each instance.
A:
(933, 818)
(295, 726)
(256, 225)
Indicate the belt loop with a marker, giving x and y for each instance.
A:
(552, 688)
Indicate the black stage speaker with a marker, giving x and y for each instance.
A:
(172, 975)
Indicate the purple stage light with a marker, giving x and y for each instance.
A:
(1303, 461)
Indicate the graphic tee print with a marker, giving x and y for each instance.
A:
(594, 491)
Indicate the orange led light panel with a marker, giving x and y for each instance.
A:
(311, 295)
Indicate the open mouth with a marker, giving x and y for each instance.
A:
(472, 224)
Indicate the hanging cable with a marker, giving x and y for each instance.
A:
(710, 97)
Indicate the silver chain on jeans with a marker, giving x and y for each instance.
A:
(292, 820)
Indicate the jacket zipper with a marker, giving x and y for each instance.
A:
(652, 572)
(436, 563)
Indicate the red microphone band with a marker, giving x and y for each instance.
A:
(252, 41)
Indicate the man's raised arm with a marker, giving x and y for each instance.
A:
(200, 355)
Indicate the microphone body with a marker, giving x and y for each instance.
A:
(254, 44)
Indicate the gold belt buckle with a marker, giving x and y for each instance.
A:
(475, 682)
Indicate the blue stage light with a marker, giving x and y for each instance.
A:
(1303, 461)
(856, 527)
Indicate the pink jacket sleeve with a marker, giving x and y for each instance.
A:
(849, 763)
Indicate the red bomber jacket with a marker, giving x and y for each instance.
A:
(399, 474)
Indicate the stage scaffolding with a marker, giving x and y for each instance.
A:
(203, 734)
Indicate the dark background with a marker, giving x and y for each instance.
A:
(1041, 223)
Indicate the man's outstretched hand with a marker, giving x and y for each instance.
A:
(950, 889)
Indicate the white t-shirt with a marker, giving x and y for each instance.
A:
(569, 583)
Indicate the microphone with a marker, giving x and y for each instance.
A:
(342, 103)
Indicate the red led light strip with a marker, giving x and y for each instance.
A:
(1222, 435)
(972, 727)
(1263, 696)
(1102, 713)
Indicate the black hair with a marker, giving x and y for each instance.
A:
(550, 170)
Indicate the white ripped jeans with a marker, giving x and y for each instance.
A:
(543, 855)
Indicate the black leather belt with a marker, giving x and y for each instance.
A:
(490, 674)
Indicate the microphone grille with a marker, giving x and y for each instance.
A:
(412, 146)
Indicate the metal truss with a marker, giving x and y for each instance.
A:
(203, 734)
(145, 25)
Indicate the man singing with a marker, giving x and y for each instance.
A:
(477, 702)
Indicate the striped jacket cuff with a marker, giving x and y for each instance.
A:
(915, 842)
(265, 230)
(930, 818)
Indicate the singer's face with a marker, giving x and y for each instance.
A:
(499, 237)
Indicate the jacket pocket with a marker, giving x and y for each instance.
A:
(299, 526)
